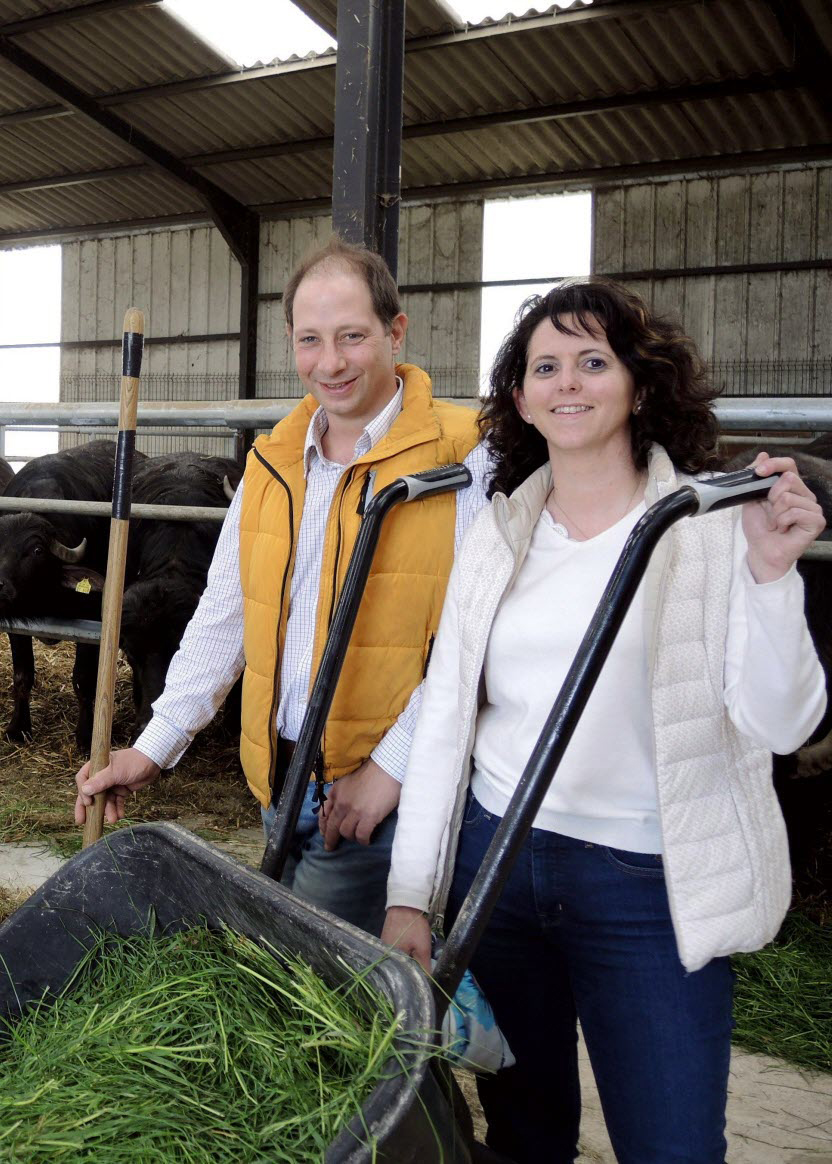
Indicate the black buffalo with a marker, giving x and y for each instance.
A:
(6, 474)
(168, 564)
(54, 567)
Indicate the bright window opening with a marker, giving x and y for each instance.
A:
(252, 32)
(30, 314)
(529, 238)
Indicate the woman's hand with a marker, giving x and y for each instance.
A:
(408, 929)
(779, 528)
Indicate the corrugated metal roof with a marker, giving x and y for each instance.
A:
(420, 15)
(124, 49)
(180, 93)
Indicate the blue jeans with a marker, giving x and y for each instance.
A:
(351, 880)
(583, 932)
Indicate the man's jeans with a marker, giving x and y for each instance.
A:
(584, 931)
(350, 881)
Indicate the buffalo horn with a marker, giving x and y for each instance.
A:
(66, 553)
(227, 488)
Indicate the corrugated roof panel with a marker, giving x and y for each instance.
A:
(240, 115)
(22, 9)
(543, 65)
(94, 202)
(19, 91)
(123, 50)
(62, 145)
(580, 61)
(277, 179)
(420, 15)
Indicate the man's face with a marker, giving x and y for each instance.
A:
(344, 355)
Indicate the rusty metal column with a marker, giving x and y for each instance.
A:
(369, 79)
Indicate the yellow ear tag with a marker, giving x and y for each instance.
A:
(84, 586)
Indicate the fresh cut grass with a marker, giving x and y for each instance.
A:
(783, 995)
(197, 1047)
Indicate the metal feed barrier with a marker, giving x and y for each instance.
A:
(735, 413)
(738, 414)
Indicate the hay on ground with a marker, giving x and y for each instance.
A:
(37, 787)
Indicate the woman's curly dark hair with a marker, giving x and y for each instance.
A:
(674, 392)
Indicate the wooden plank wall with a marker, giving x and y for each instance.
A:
(437, 244)
(737, 219)
(187, 283)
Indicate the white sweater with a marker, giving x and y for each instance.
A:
(722, 833)
(606, 794)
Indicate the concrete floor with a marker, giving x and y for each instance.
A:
(776, 1114)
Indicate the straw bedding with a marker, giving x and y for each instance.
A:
(37, 789)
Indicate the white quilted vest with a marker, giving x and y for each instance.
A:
(724, 840)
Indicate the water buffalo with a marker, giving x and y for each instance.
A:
(168, 564)
(54, 567)
(6, 474)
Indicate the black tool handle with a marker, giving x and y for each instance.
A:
(415, 486)
(732, 489)
(689, 501)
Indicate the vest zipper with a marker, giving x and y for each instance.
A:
(320, 798)
(276, 688)
(344, 489)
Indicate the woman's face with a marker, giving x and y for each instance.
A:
(576, 391)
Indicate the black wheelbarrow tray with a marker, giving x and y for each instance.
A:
(161, 878)
(163, 875)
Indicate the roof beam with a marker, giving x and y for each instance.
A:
(65, 15)
(233, 219)
(756, 160)
(589, 177)
(716, 90)
(626, 10)
(811, 58)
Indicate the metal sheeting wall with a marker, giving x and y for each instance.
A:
(438, 243)
(187, 283)
(765, 332)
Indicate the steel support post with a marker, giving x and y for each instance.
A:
(366, 171)
(249, 257)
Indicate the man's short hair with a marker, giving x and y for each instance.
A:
(370, 266)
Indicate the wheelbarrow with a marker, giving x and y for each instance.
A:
(165, 873)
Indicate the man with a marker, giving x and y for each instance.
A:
(278, 569)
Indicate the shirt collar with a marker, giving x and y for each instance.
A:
(377, 428)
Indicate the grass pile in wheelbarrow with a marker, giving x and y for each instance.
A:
(159, 885)
(198, 1046)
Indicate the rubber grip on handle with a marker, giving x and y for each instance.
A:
(732, 489)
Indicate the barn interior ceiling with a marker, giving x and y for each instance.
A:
(112, 115)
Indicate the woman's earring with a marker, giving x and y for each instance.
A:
(637, 408)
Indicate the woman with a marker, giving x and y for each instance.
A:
(659, 848)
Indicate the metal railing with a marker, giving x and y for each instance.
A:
(772, 377)
(805, 414)
(735, 413)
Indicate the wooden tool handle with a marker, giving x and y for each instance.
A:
(102, 723)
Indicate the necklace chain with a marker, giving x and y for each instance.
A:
(571, 520)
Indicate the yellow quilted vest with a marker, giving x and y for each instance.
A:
(399, 613)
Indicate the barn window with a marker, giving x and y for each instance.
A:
(532, 241)
(30, 333)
